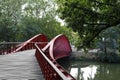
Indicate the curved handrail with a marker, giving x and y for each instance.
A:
(57, 46)
(38, 38)
(60, 47)
(46, 65)
(29, 44)
(49, 46)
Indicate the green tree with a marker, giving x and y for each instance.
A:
(90, 17)
(22, 19)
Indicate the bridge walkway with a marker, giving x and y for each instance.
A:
(20, 66)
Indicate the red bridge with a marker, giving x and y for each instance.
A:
(46, 54)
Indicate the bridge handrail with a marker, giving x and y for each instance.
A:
(29, 44)
(59, 72)
(52, 66)
(8, 47)
(37, 38)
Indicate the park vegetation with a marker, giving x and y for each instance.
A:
(88, 23)
(97, 23)
(22, 19)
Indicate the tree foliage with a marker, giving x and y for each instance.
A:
(90, 17)
(22, 19)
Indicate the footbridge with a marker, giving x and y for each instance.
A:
(35, 59)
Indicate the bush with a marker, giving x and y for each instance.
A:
(107, 57)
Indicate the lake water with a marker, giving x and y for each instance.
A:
(83, 70)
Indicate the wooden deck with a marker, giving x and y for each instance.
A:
(20, 66)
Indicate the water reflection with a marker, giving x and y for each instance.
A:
(86, 73)
(89, 72)
(74, 72)
(82, 70)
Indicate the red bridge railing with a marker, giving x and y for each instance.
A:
(47, 54)
(21, 46)
(50, 68)
(8, 47)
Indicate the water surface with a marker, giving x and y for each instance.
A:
(84, 70)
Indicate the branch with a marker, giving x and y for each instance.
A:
(114, 24)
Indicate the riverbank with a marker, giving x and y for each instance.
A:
(92, 55)
(79, 55)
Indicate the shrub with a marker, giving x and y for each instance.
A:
(107, 57)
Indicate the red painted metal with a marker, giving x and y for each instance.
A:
(40, 38)
(47, 54)
(29, 44)
(47, 70)
(58, 47)
(51, 72)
